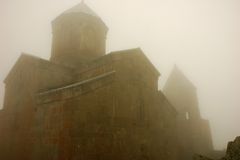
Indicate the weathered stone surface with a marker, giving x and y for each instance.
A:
(83, 104)
(233, 152)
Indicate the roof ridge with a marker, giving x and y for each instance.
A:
(81, 8)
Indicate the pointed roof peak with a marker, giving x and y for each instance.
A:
(81, 8)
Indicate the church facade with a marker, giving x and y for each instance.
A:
(84, 103)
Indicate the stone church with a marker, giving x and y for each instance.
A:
(84, 104)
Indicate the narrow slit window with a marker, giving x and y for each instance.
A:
(187, 115)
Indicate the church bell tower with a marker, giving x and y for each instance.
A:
(79, 36)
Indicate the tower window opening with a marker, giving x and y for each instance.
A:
(187, 116)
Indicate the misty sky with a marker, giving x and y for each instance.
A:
(202, 37)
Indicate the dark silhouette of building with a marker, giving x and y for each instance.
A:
(83, 103)
(193, 132)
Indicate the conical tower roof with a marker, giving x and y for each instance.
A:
(81, 8)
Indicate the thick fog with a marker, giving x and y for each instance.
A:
(202, 37)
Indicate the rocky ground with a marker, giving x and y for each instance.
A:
(233, 152)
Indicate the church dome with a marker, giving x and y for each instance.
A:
(79, 36)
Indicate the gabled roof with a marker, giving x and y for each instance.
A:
(21, 61)
(77, 13)
(177, 76)
(136, 53)
(181, 92)
(81, 8)
(32, 61)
